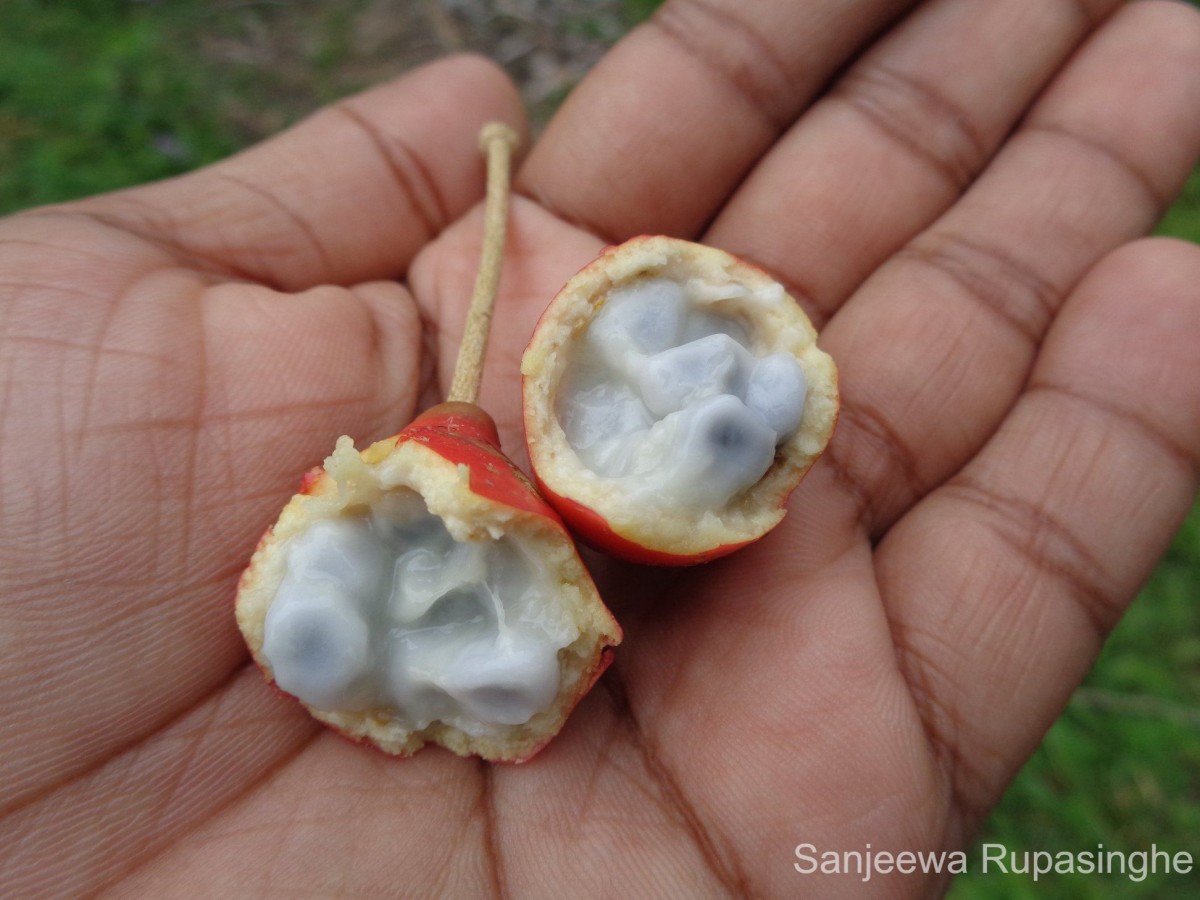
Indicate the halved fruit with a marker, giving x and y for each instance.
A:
(674, 396)
(420, 591)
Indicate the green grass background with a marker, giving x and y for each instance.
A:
(98, 94)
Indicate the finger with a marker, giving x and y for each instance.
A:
(896, 142)
(670, 120)
(348, 195)
(1002, 584)
(934, 348)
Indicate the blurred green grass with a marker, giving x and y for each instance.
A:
(99, 94)
(94, 95)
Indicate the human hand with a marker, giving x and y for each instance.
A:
(1017, 444)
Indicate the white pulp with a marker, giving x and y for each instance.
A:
(389, 611)
(665, 398)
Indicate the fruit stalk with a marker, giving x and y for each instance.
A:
(497, 141)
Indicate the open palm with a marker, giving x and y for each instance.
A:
(1017, 443)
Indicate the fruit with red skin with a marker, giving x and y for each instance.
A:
(655, 522)
(421, 591)
(451, 456)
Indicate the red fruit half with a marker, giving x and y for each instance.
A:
(674, 396)
(484, 649)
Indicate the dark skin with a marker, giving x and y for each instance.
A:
(960, 215)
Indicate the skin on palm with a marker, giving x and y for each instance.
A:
(872, 671)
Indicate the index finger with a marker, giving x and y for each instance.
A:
(672, 118)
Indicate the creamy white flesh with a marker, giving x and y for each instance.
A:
(665, 398)
(387, 611)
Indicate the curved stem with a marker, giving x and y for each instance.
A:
(497, 141)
